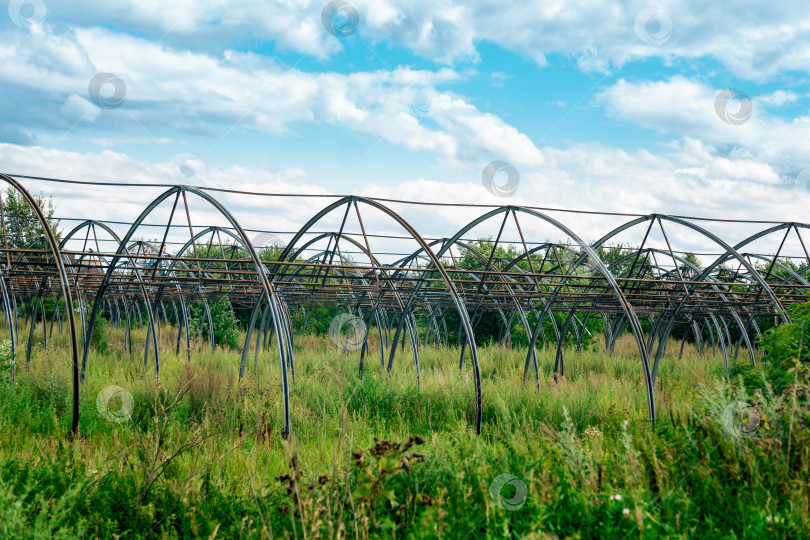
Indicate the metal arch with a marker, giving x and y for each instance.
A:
(402, 263)
(137, 273)
(66, 291)
(659, 320)
(597, 262)
(457, 300)
(705, 273)
(521, 313)
(476, 285)
(732, 252)
(171, 268)
(269, 291)
(375, 307)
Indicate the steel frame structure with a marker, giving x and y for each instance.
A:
(548, 285)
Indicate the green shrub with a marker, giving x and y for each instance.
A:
(226, 325)
(6, 361)
(99, 337)
(789, 342)
(788, 354)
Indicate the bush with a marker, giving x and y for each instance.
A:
(6, 361)
(788, 354)
(790, 342)
(226, 325)
(99, 337)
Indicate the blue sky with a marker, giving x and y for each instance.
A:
(599, 105)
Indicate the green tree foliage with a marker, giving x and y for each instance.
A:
(22, 225)
(226, 325)
(99, 337)
(22, 229)
(692, 259)
(788, 354)
(270, 253)
(489, 325)
(612, 254)
(788, 343)
(313, 319)
(503, 254)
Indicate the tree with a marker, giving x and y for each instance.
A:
(21, 224)
(692, 259)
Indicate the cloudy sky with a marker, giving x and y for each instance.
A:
(683, 107)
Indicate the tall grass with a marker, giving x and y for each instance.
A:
(202, 455)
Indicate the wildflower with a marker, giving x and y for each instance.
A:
(593, 431)
(616, 497)
(626, 511)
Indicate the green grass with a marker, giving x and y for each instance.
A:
(202, 453)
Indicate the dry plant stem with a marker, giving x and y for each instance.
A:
(794, 407)
(162, 431)
(344, 410)
(266, 525)
(345, 414)
(294, 468)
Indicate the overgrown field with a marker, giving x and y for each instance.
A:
(200, 454)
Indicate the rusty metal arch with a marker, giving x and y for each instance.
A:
(66, 292)
(419, 291)
(263, 276)
(451, 290)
